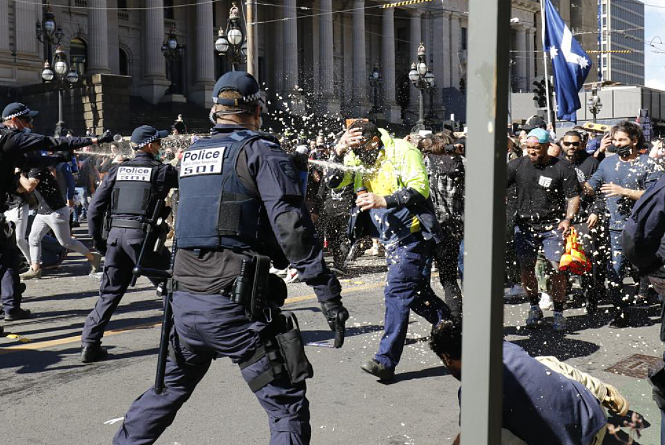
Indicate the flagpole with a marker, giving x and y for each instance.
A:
(546, 70)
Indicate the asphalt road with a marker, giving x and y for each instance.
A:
(48, 397)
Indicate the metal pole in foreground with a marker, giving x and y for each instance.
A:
(61, 114)
(251, 35)
(484, 240)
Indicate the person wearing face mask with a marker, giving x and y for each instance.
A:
(130, 191)
(240, 202)
(18, 149)
(548, 199)
(622, 179)
(393, 204)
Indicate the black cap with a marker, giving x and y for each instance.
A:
(17, 109)
(239, 81)
(146, 134)
(534, 122)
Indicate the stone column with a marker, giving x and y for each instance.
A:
(4, 27)
(278, 55)
(520, 58)
(114, 42)
(531, 55)
(326, 57)
(98, 37)
(154, 64)
(416, 37)
(359, 58)
(445, 53)
(25, 29)
(201, 92)
(290, 47)
(455, 36)
(391, 110)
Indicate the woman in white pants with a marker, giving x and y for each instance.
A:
(52, 214)
(18, 214)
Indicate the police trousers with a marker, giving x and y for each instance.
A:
(407, 288)
(10, 283)
(124, 246)
(208, 327)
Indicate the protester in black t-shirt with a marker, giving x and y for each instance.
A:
(548, 198)
(52, 214)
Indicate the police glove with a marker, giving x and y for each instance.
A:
(100, 245)
(336, 315)
(105, 138)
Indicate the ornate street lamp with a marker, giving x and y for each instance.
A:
(594, 103)
(172, 51)
(232, 42)
(422, 78)
(48, 31)
(375, 81)
(63, 76)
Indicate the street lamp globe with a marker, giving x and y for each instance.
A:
(243, 48)
(59, 34)
(235, 36)
(172, 42)
(165, 48)
(180, 50)
(49, 25)
(413, 74)
(72, 76)
(422, 68)
(221, 44)
(60, 67)
(47, 73)
(429, 77)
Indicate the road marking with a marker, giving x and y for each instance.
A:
(63, 341)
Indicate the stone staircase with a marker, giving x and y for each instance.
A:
(162, 115)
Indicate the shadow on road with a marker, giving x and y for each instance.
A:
(563, 348)
(317, 336)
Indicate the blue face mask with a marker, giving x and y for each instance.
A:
(26, 130)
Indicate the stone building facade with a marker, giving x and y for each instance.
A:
(321, 51)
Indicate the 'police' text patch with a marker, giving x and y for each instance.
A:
(206, 161)
(134, 174)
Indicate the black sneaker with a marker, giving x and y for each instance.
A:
(93, 353)
(17, 314)
(377, 369)
(621, 320)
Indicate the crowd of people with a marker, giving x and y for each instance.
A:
(290, 200)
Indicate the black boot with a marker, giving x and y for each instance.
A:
(621, 319)
(93, 353)
(17, 314)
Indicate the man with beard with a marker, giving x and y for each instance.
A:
(623, 180)
(393, 204)
(590, 221)
(548, 198)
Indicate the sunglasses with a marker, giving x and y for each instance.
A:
(574, 144)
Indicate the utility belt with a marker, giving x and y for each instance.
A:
(7, 238)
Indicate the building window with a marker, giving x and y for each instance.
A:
(124, 62)
(78, 51)
(464, 39)
(122, 4)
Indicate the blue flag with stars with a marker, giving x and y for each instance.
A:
(570, 63)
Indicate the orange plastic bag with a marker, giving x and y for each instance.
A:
(574, 260)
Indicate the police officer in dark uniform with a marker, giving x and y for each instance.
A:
(17, 150)
(132, 190)
(240, 200)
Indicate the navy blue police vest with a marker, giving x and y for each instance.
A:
(133, 192)
(216, 211)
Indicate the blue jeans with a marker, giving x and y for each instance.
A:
(407, 287)
(616, 270)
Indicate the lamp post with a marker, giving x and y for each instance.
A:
(172, 51)
(422, 78)
(594, 103)
(232, 42)
(63, 76)
(48, 31)
(375, 80)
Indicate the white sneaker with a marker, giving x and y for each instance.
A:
(546, 303)
(292, 276)
(517, 291)
(535, 317)
(278, 272)
(559, 323)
